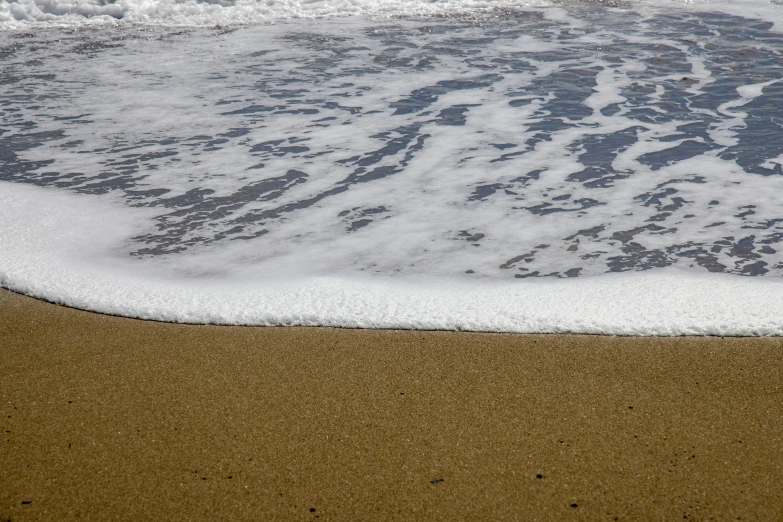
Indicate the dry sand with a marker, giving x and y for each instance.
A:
(111, 418)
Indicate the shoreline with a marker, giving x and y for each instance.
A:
(104, 416)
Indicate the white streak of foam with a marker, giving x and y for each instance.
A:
(74, 257)
(723, 132)
(754, 90)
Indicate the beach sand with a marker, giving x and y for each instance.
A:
(112, 418)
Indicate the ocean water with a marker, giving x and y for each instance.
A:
(528, 166)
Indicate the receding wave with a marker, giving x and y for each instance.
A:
(470, 171)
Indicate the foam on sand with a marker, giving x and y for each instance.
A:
(67, 255)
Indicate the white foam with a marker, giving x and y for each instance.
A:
(30, 13)
(428, 201)
(200, 13)
(64, 255)
(120, 106)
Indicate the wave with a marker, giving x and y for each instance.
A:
(74, 265)
(24, 14)
(406, 173)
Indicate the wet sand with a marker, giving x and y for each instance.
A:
(105, 417)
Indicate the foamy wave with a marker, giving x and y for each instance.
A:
(57, 10)
(23, 14)
(402, 173)
(211, 12)
(63, 255)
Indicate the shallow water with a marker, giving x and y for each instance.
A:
(572, 140)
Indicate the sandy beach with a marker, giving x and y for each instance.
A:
(111, 418)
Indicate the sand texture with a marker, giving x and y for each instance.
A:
(108, 418)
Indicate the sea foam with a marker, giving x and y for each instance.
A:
(194, 13)
(576, 167)
(63, 255)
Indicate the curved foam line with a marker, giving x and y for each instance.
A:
(62, 248)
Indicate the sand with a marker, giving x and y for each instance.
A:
(112, 418)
